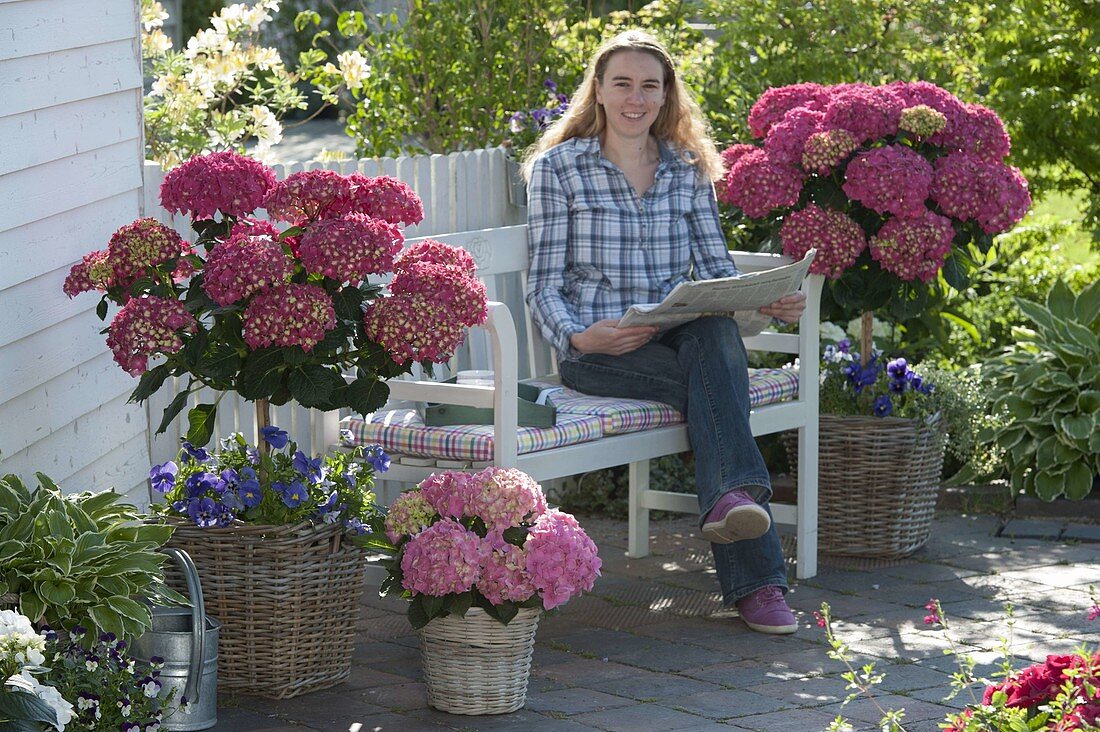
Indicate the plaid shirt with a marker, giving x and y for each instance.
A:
(597, 248)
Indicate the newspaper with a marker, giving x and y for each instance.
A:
(738, 297)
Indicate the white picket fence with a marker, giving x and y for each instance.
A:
(462, 191)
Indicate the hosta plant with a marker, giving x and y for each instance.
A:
(80, 560)
(1049, 382)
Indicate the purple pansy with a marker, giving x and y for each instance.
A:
(378, 458)
(163, 476)
(883, 406)
(204, 512)
(275, 437)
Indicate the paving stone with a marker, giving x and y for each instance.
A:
(646, 717)
(804, 692)
(243, 720)
(636, 650)
(1030, 529)
(575, 701)
(790, 719)
(1083, 532)
(729, 704)
(324, 710)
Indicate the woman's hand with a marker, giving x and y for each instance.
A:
(787, 308)
(605, 337)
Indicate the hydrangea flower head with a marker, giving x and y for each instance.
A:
(288, 315)
(307, 195)
(838, 239)
(787, 138)
(774, 104)
(913, 247)
(93, 272)
(442, 559)
(504, 575)
(504, 497)
(409, 514)
(922, 121)
(139, 245)
(825, 150)
(435, 252)
(562, 561)
(233, 184)
(145, 326)
(892, 179)
(446, 492)
(349, 248)
(758, 185)
(384, 198)
(243, 265)
(866, 112)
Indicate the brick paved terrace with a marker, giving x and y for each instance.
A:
(652, 649)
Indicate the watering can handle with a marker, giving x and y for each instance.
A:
(198, 622)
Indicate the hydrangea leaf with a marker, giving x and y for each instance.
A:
(25, 712)
(200, 424)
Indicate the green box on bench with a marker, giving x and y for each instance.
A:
(530, 414)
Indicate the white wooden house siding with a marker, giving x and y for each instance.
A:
(70, 174)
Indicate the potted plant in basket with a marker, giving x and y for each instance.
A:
(283, 534)
(479, 557)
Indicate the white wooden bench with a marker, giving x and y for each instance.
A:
(514, 351)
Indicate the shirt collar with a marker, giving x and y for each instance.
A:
(590, 146)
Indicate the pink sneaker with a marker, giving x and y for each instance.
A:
(765, 611)
(735, 517)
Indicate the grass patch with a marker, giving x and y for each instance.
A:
(1062, 206)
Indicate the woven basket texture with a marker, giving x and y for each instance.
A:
(878, 482)
(287, 598)
(476, 665)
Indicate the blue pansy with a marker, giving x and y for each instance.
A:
(198, 454)
(293, 493)
(355, 526)
(883, 406)
(198, 484)
(275, 437)
(204, 512)
(309, 468)
(163, 476)
(377, 457)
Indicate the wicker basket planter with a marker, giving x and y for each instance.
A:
(476, 665)
(287, 598)
(878, 482)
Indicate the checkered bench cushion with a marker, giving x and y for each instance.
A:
(619, 416)
(403, 432)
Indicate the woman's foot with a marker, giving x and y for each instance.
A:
(765, 611)
(735, 517)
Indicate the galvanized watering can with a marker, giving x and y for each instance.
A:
(187, 640)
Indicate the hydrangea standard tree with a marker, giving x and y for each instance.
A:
(891, 184)
(279, 314)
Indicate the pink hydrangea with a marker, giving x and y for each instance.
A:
(504, 575)
(867, 112)
(139, 245)
(757, 185)
(307, 196)
(787, 138)
(288, 315)
(436, 252)
(243, 265)
(913, 247)
(93, 272)
(838, 239)
(733, 153)
(449, 289)
(248, 226)
(409, 513)
(824, 151)
(504, 497)
(144, 326)
(348, 249)
(922, 121)
(979, 131)
(968, 188)
(893, 179)
(1007, 200)
(382, 198)
(223, 181)
(561, 560)
(774, 104)
(442, 559)
(446, 492)
(413, 329)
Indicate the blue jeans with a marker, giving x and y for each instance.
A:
(700, 368)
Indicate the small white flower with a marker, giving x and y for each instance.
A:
(150, 688)
(353, 68)
(832, 332)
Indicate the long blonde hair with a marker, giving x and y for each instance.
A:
(680, 120)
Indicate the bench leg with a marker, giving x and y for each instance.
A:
(637, 544)
(806, 553)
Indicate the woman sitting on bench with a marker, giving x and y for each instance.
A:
(621, 209)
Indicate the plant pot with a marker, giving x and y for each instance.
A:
(477, 665)
(878, 484)
(287, 598)
(517, 187)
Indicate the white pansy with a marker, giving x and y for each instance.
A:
(353, 68)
